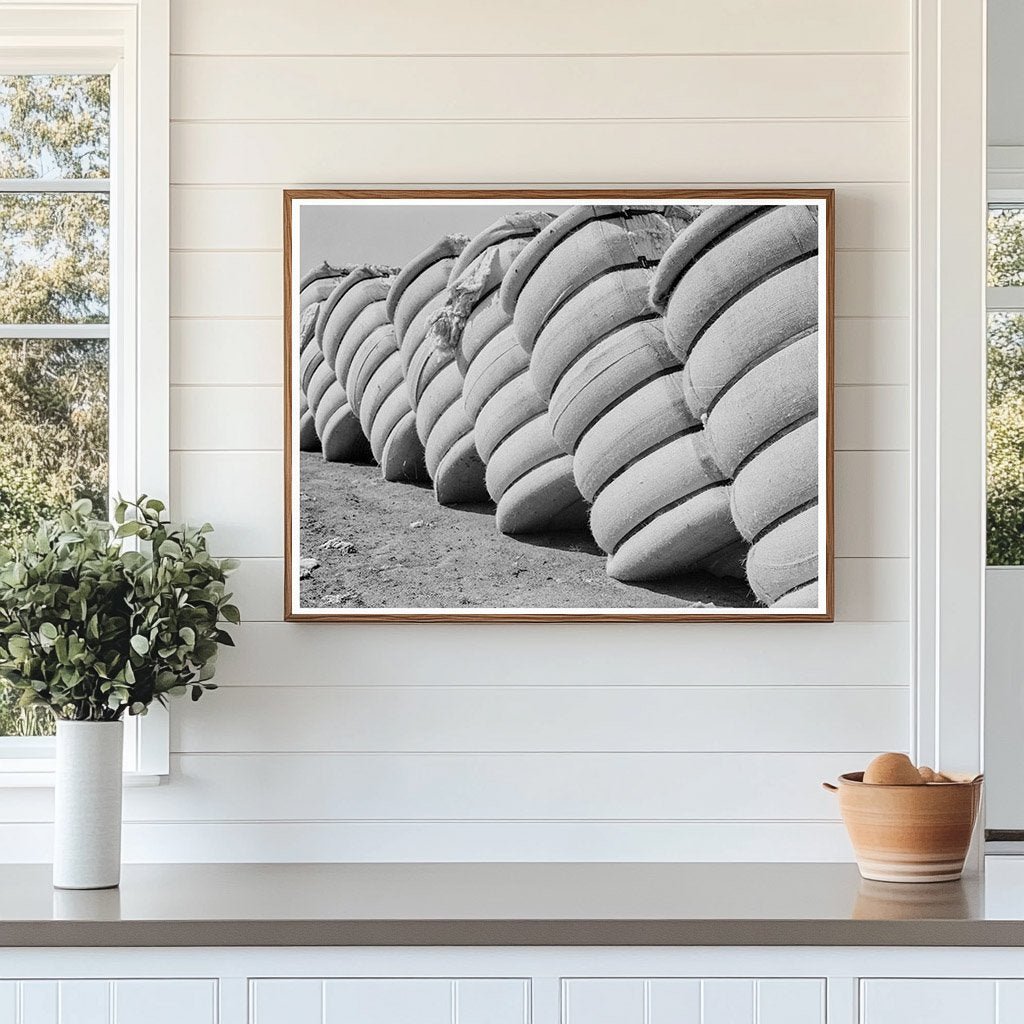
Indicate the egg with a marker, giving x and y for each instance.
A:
(928, 774)
(893, 770)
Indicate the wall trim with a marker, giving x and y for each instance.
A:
(949, 447)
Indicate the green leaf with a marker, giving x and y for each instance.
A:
(140, 644)
(18, 646)
(170, 549)
(232, 614)
(48, 631)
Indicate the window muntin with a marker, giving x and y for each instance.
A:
(54, 307)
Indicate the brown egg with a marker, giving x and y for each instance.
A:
(928, 774)
(892, 770)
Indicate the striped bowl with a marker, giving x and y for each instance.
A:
(909, 833)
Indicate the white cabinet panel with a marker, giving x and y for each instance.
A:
(8, 1002)
(39, 1003)
(492, 1002)
(1009, 1002)
(286, 1001)
(84, 1002)
(164, 1002)
(727, 1001)
(930, 1001)
(388, 1001)
(603, 1001)
(101, 1001)
(790, 1001)
(693, 1001)
(674, 1001)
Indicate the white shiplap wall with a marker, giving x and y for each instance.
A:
(690, 741)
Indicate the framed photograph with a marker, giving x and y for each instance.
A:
(559, 405)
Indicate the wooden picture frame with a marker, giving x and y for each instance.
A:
(823, 203)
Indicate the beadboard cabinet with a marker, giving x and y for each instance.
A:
(512, 985)
(107, 1001)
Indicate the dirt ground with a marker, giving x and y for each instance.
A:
(390, 545)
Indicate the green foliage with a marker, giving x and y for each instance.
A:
(1005, 247)
(53, 445)
(91, 629)
(1005, 482)
(23, 499)
(54, 264)
(54, 126)
(16, 720)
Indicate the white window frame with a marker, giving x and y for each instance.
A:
(1004, 713)
(130, 41)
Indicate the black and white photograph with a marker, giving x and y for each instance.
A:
(559, 406)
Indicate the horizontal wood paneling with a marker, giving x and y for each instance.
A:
(728, 152)
(873, 589)
(211, 418)
(332, 841)
(243, 493)
(246, 284)
(871, 490)
(452, 786)
(250, 418)
(449, 786)
(583, 654)
(872, 350)
(408, 719)
(533, 26)
(867, 589)
(869, 216)
(217, 352)
(875, 418)
(538, 88)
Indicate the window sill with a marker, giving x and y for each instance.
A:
(39, 774)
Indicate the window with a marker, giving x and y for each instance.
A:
(84, 124)
(1005, 479)
(54, 308)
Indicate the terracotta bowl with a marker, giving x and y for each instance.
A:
(909, 833)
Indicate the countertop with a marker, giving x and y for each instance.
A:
(559, 904)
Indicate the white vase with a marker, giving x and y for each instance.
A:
(87, 806)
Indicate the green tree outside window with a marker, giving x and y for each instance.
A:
(54, 270)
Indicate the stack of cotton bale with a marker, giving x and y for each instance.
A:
(313, 289)
(529, 477)
(578, 298)
(352, 311)
(432, 378)
(368, 366)
(739, 290)
(338, 430)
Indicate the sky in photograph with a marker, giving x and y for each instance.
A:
(393, 235)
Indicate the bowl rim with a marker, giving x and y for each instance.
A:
(857, 779)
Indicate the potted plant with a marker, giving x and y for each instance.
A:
(99, 620)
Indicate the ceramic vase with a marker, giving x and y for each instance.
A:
(87, 806)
